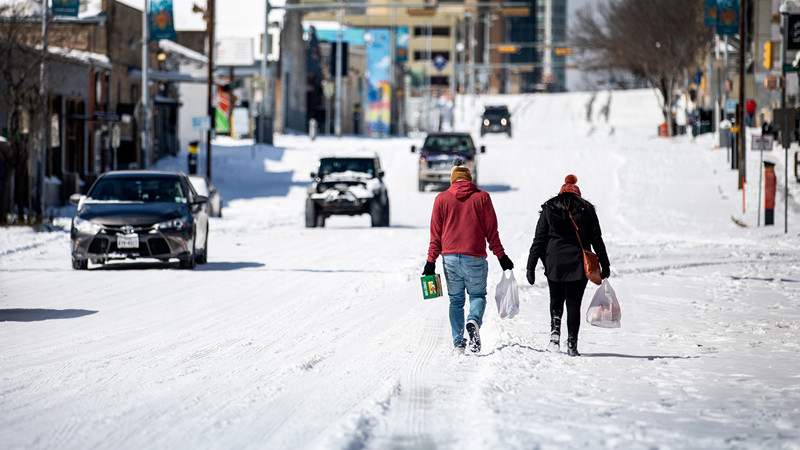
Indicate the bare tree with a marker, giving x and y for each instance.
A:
(661, 40)
(19, 96)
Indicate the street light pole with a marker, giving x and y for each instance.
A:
(265, 113)
(145, 86)
(337, 120)
(210, 83)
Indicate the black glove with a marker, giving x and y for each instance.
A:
(531, 277)
(430, 268)
(605, 272)
(505, 263)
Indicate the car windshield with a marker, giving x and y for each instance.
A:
(138, 189)
(495, 111)
(456, 143)
(328, 166)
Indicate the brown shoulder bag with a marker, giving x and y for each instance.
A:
(591, 265)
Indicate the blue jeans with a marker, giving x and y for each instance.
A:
(465, 272)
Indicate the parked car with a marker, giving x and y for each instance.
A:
(140, 214)
(438, 153)
(496, 119)
(206, 188)
(348, 185)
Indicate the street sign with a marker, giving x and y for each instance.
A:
(730, 106)
(201, 123)
(784, 120)
(115, 135)
(439, 62)
(762, 143)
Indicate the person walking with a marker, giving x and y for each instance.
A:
(556, 243)
(462, 222)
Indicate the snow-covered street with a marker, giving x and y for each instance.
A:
(294, 337)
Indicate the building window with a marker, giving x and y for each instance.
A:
(434, 31)
(423, 55)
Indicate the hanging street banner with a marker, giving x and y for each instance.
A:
(711, 13)
(161, 20)
(68, 8)
(727, 17)
(379, 98)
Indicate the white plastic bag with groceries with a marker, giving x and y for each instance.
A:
(507, 295)
(604, 310)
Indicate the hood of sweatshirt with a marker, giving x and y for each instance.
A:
(462, 189)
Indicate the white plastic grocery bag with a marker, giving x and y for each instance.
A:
(604, 310)
(507, 295)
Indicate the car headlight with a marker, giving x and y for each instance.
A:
(86, 226)
(423, 163)
(486, 122)
(503, 121)
(176, 224)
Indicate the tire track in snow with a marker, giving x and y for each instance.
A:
(408, 416)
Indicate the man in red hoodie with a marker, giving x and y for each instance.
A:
(462, 222)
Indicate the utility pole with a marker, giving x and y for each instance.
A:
(145, 86)
(337, 120)
(210, 91)
(265, 113)
(45, 107)
(486, 38)
(741, 153)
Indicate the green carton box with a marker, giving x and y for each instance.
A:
(431, 286)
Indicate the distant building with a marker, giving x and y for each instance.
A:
(551, 33)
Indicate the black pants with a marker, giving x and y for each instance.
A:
(570, 292)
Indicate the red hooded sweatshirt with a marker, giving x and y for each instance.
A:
(462, 221)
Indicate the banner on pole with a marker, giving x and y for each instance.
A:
(727, 17)
(68, 8)
(711, 13)
(162, 25)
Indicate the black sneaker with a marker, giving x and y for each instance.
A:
(459, 349)
(474, 336)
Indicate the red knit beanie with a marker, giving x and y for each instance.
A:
(570, 186)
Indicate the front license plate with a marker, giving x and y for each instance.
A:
(128, 241)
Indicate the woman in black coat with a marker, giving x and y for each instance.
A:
(556, 244)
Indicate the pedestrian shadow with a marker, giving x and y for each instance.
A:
(36, 315)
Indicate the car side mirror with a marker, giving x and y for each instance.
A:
(199, 199)
(75, 199)
(381, 173)
(413, 149)
(313, 175)
(483, 149)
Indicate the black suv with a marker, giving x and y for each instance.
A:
(438, 153)
(347, 185)
(496, 119)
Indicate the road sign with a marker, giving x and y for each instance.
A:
(762, 143)
(439, 62)
(730, 106)
(115, 135)
(784, 120)
(201, 123)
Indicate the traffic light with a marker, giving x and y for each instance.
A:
(768, 55)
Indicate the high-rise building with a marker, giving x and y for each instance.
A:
(551, 34)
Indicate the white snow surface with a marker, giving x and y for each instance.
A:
(296, 338)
